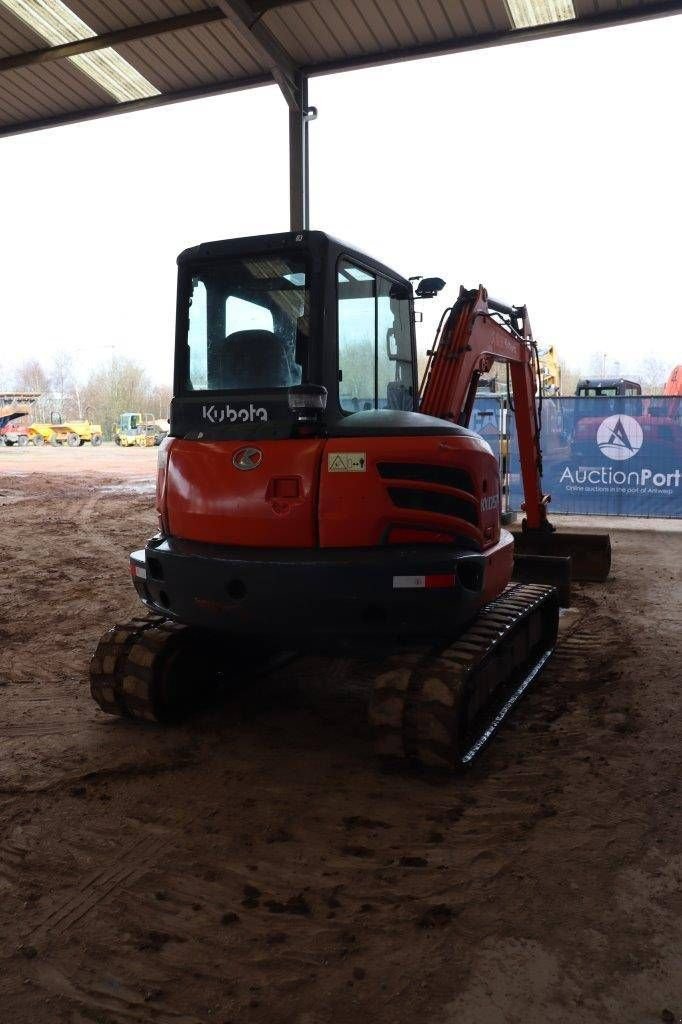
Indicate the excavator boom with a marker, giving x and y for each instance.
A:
(477, 332)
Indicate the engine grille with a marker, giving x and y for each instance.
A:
(434, 501)
(446, 476)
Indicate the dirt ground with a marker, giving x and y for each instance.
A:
(258, 865)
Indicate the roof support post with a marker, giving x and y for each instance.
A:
(299, 117)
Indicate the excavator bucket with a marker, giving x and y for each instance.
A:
(590, 553)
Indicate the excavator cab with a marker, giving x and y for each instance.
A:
(283, 332)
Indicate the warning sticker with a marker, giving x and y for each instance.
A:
(347, 462)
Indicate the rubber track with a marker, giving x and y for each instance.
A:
(123, 669)
(423, 707)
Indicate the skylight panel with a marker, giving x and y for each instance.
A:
(530, 13)
(57, 24)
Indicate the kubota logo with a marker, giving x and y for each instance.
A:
(247, 458)
(619, 437)
(227, 414)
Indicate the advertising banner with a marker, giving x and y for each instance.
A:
(602, 456)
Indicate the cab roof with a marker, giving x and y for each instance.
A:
(319, 243)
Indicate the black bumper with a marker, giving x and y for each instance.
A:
(304, 594)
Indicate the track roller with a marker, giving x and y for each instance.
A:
(154, 669)
(440, 706)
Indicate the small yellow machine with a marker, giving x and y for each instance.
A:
(134, 429)
(74, 433)
(550, 372)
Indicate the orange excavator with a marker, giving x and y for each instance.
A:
(311, 497)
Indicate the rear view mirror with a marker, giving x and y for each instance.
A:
(429, 286)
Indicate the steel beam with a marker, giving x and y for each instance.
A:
(294, 86)
(123, 35)
(261, 41)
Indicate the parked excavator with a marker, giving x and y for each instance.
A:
(312, 498)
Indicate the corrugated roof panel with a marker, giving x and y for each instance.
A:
(318, 34)
(368, 26)
(102, 70)
(238, 46)
(300, 44)
(15, 37)
(420, 23)
(159, 61)
(209, 60)
(436, 13)
(228, 50)
(401, 26)
(340, 26)
(305, 24)
(499, 15)
(391, 31)
(71, 82)
(477, 11)
(585, 8)
(336, 16)
(329, 27)
(458, 15)
(419, 20)
(188, 58)
(47, 91)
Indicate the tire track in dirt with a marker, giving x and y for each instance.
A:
(11, 862)
(35, 729)
(128, 865)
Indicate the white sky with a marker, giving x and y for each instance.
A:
(549, 171)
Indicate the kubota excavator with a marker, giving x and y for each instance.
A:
(311, 497)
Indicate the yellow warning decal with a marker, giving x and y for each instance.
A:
(347, 462)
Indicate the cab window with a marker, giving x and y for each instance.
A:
(375, 352)
(247, 324)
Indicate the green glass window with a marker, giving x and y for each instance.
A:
(375, 352)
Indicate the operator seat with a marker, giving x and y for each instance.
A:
(253, 359)
(399, 397)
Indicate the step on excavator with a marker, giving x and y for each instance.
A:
(312, 497)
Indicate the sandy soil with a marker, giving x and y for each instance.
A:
(259, 866)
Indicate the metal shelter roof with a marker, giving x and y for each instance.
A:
(179, 49)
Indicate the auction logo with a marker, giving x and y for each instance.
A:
(619, 437)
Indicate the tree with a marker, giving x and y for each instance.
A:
(569, 379)
(653, 373)
(357, 365)
(32, 377)
(65, 395)
(120, 386)
(159, 400)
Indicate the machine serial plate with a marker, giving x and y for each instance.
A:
(347, 462)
